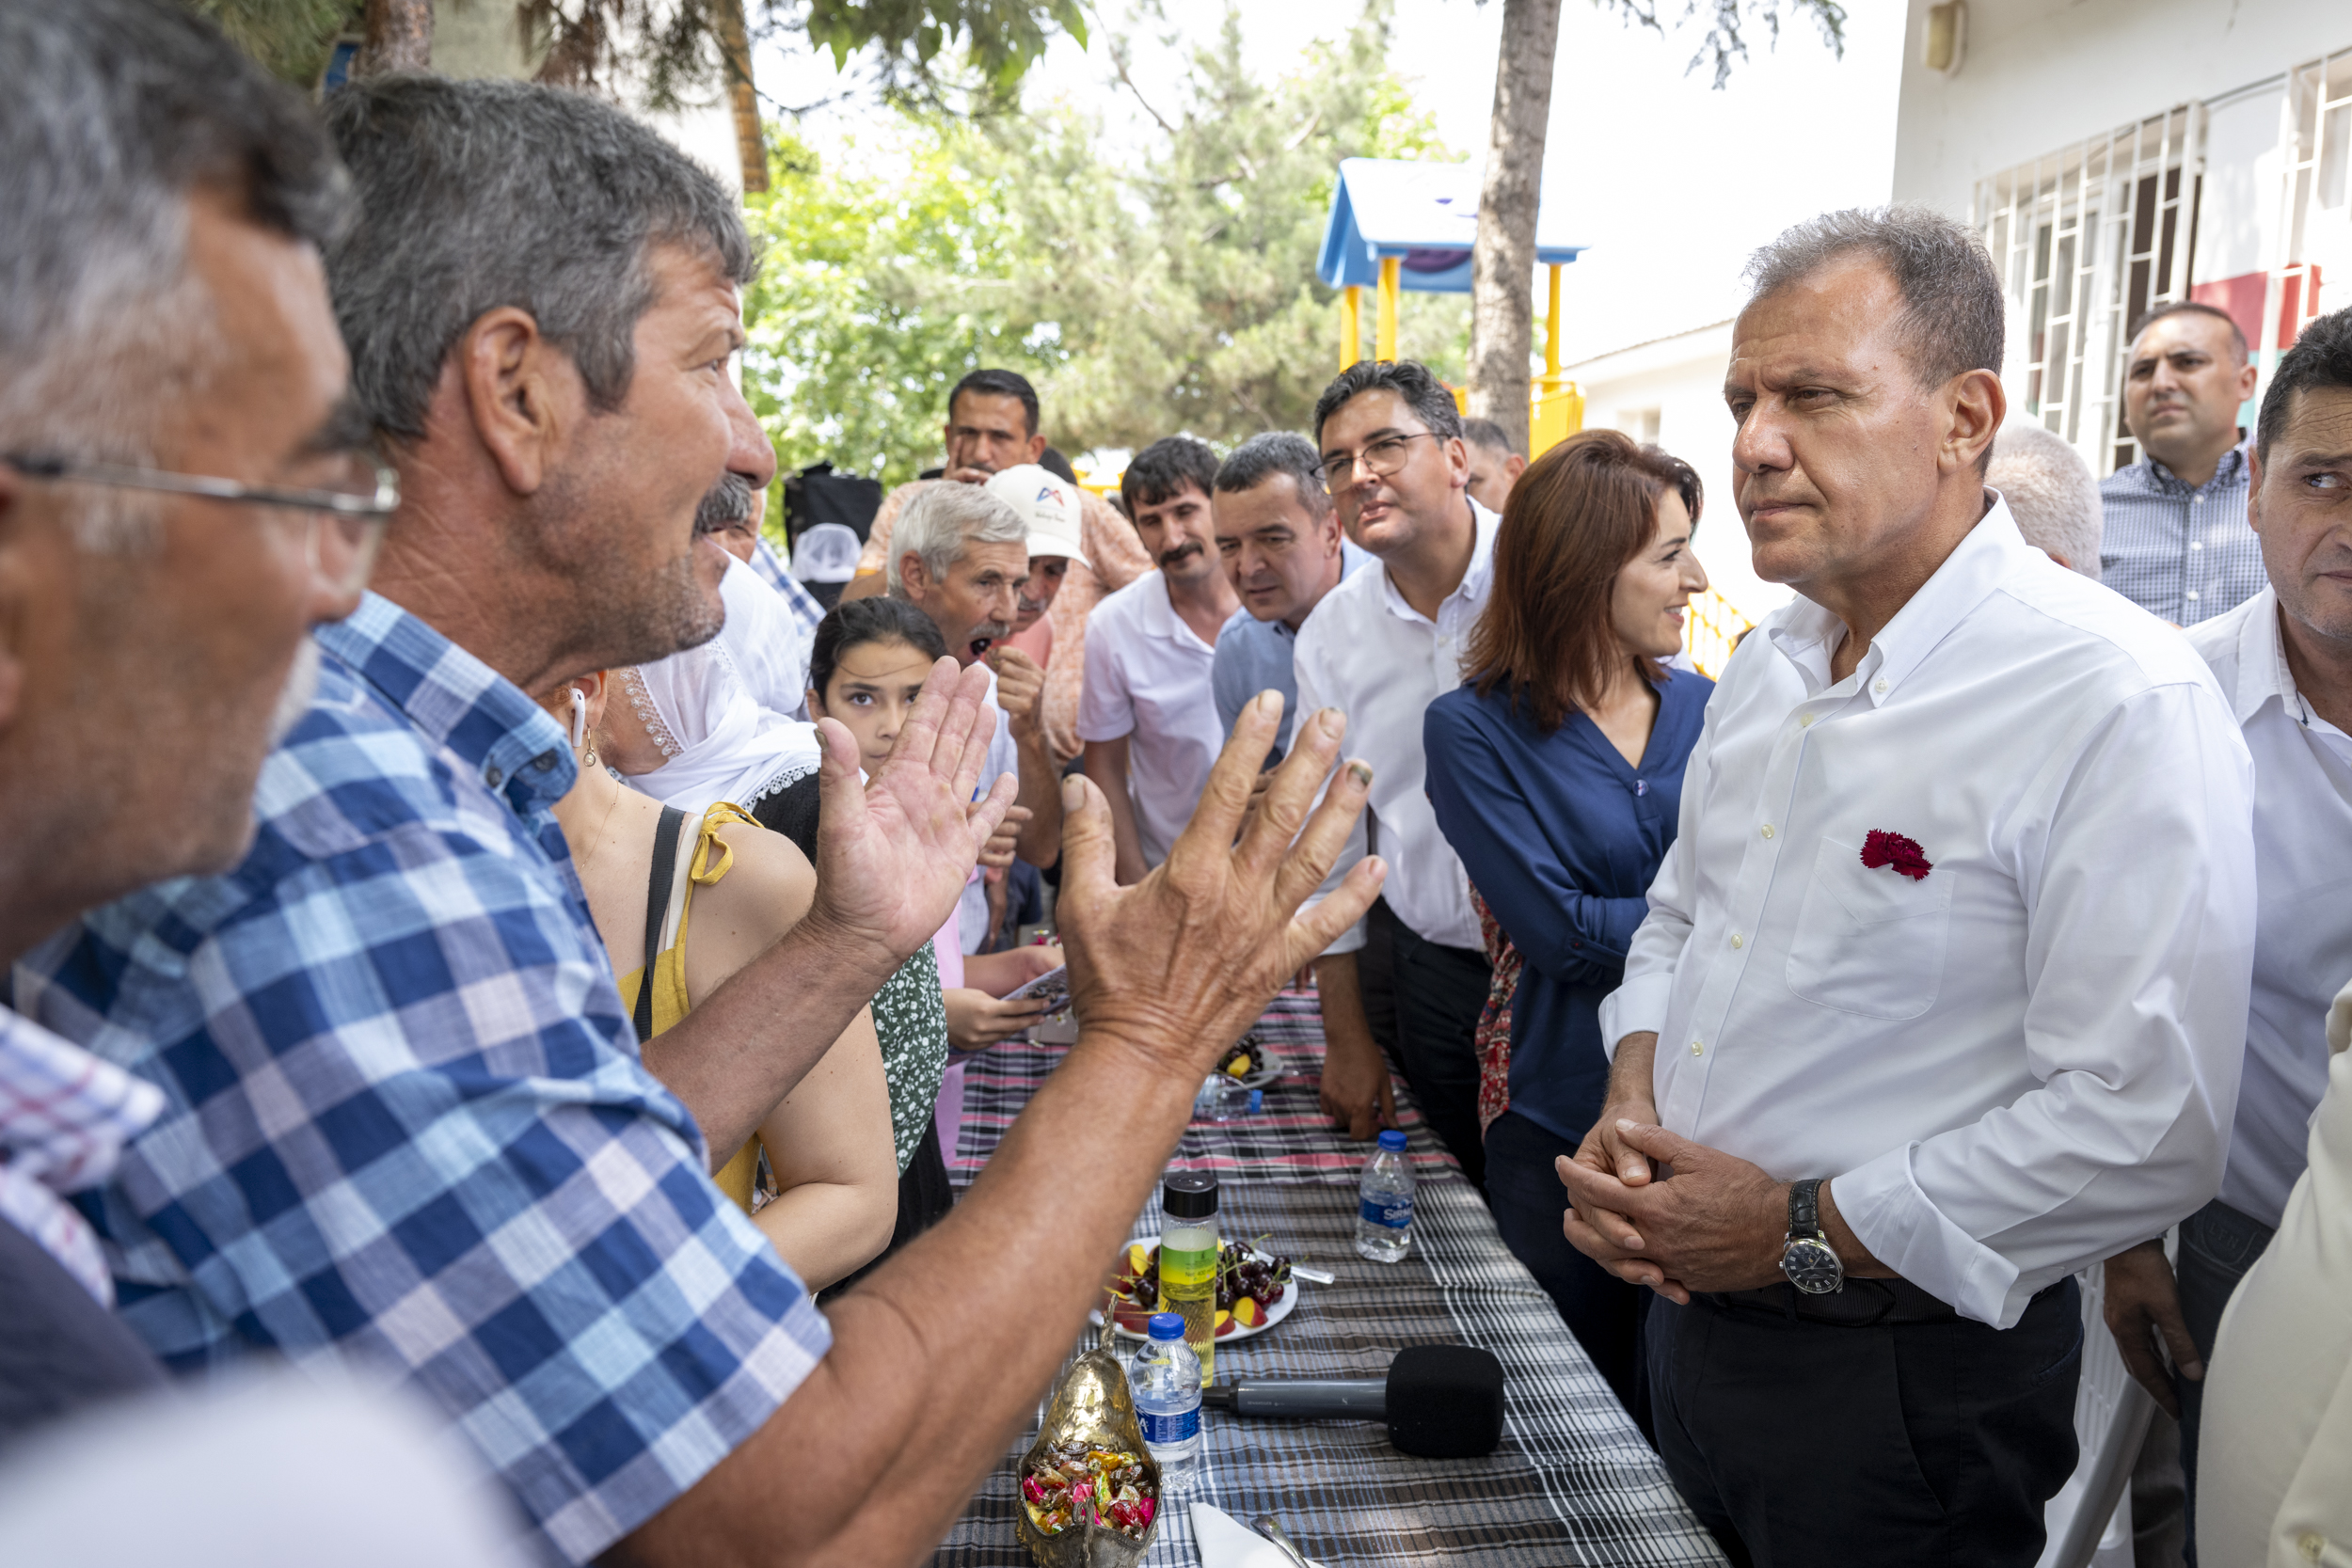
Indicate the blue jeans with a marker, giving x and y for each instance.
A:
(2217, 1245)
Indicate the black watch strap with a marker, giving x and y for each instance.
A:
(1804, 1207)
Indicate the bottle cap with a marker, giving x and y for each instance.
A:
(1167, 1325)
(1189, 1195)
(1257, 1101)
(1392, 1140)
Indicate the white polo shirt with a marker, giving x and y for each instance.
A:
(1380, 661)
(1147, 679)
(2303, 892)
(2013, 1039)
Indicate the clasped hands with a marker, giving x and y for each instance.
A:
(1711, 1222)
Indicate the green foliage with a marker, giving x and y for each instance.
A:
(289, 38)
(1176, 292)
(1724, 41)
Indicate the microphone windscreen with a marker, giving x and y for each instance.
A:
(1445, 1401)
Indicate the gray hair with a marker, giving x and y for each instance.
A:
(481, 194)
(1953, 315)
(1278, 451)
(2050, 492)
(943, 520)
(115, 111)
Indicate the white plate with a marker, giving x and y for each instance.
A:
(1283, 1307)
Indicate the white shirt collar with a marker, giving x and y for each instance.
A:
(1808, 634)
(1474, 583)
(1160, 618)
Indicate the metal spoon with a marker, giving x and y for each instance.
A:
(1265, 1525)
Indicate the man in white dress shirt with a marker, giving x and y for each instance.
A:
(2285, 659)
(1147, 713)
(1943, 988)
(1380, 648)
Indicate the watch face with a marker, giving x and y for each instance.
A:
(1812, 1267)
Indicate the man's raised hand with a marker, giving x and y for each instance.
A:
(892, 857)
(1182, 963)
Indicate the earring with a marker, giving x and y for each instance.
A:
(579, 718)
(588, 757)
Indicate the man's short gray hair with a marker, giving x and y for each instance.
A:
(943, 520)
(481, 194)
(2050, 492)
(115, 111)
(1953, 315)
(1278, 451)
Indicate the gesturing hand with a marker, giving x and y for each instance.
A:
(2141, 1304)
(1178, 964)
(1020, 690)
(1716, 1225)
(1005, 843)
(892, 857)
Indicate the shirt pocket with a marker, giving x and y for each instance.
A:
(1869, 939)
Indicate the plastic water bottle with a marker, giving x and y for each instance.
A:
(1223, 1098)
(1384, 1202)
(1165, 1378)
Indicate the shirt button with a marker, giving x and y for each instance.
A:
(1736, 942)
(1698, 1049)
(1768, 829)
(493, 777)
(1879, 686)
(1805, 722)
(2310, 1547)
(2197, 544)
(544, 760)
(2192, 595)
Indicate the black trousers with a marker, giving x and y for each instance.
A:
(1601, 1311)
(1440, 991)
(1923, 1438)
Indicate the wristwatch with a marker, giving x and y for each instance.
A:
(1805, 1257)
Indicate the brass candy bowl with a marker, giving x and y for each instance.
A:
(1092, 1405)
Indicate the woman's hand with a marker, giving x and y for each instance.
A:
(976, 1021)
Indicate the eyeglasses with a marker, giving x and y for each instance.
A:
(344, 522)
(1380, 459)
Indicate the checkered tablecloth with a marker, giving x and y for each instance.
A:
(1573, 1482)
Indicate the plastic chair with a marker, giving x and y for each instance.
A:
(827, 552)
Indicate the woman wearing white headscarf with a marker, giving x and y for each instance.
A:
(706, 737)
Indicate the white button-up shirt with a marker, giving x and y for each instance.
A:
(2303, 887)
(1380, 661)
(2025, 1060)
(1147, 679)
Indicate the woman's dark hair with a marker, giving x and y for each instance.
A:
(1576, 518)
(854, 622)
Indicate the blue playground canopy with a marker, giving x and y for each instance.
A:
(1426, 216)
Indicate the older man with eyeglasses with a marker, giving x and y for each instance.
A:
(179, 500)
(1380, 647)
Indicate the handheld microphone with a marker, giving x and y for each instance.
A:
(1441, 1401)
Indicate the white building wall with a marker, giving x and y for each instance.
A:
(2037, 75)
(1671, 392)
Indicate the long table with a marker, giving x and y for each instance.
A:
(1573, 1482)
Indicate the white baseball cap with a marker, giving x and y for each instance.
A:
(1048, 504)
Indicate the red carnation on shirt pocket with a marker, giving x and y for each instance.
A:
(1884, 848)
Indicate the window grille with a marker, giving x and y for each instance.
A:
(2085, 239)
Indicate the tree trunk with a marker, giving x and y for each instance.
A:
(1502, 267)
(399, 38)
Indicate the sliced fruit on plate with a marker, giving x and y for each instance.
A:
(1248, 1313)
(1138, 1257)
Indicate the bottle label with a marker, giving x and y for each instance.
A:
(1393, 1210)
(1176, 1426)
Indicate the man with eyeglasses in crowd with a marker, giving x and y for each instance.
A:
(1380, 648)
(179, 500)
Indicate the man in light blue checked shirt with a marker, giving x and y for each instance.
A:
(405, 1122)
(2175, 541)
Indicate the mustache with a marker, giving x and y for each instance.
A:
(1169, 557)
(990, 631)
(726, 504)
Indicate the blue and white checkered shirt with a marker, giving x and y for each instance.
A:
(2181, 554)
(406, 1120)
(805, 610)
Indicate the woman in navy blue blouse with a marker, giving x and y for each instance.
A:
(1556, 772)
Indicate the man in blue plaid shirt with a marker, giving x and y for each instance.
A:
(405, 1122)
(2174, 538)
